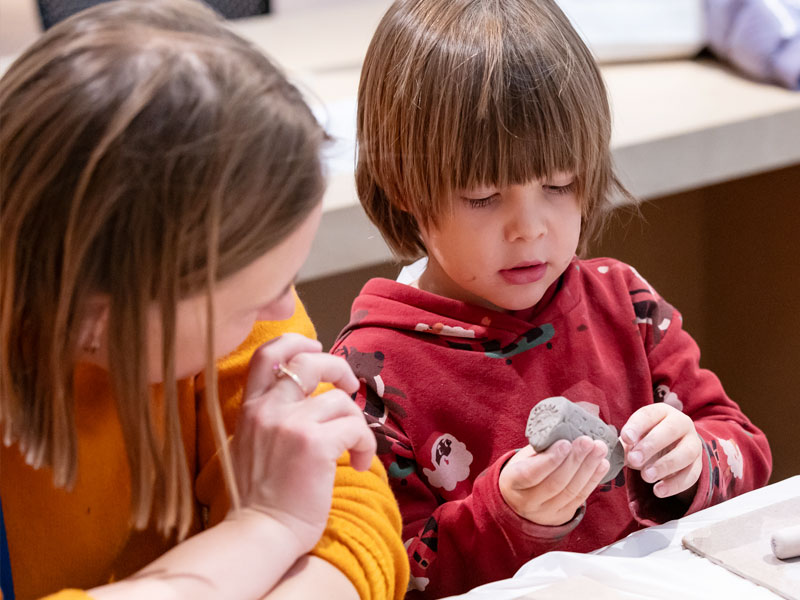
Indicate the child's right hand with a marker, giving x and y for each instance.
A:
(287, 442)
(548, 488)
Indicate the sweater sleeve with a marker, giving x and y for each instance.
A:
(68, 595)
(458, 544)
(736, 454)
(362, 537)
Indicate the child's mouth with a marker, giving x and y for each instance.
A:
(524, 273)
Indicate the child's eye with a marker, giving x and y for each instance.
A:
(480, 202)
(560, 189)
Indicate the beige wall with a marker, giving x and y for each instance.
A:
(728, 257)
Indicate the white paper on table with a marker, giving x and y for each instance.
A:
(680, 575)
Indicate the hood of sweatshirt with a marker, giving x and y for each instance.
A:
(389, 304)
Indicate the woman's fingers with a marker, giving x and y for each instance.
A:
(287, 442)
(262, 375)
(295, 366)
(314, 368)
(308, 412)
(352, 434)
(344, 422)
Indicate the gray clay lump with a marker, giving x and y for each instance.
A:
(557, 418)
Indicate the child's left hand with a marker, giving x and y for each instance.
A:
(662, 443)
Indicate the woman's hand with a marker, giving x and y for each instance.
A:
(286, 442)
(662, 443)
(284, 453)
(549, 487)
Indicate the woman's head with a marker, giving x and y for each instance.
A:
(148, 153)
(458, 94)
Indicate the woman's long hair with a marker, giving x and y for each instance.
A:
(147, 153)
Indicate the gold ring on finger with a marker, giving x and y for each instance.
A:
(282, 371)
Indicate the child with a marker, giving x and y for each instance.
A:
(483, 133)
(160, 187)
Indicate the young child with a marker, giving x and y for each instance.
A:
(161, 186)
(483, 135)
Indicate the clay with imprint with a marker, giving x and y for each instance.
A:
(558, 418)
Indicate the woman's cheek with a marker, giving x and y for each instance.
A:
(281, 309)
(231, 337)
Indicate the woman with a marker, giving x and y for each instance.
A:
(161, 187)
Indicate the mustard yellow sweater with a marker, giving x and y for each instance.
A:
(60, 541)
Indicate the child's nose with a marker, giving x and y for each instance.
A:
(526, 220)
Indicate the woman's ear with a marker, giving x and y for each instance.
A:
(92, 331)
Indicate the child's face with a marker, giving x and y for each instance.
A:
(503, 247)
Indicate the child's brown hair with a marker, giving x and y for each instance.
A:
(147, 153)
(460, 93)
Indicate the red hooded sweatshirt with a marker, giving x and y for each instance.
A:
(448, 386)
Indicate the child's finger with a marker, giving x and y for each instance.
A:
(557, 482)
(680, 481)
(585, 478)
(529, 471)
(594, 480)
(659, 438)
(642, 421)
(678, 458)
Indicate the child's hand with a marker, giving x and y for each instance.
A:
(662, 443)
(287, 442)
(549, 487)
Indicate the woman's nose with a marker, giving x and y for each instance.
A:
(281, 309)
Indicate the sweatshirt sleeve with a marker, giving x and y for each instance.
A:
(456, 545)
(362, 537)
(736, 455)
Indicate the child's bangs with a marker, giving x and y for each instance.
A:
(522, 135)
(461, 94)
(510, 104)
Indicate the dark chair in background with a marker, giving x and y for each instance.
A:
(53, 11)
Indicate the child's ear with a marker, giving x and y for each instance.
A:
(402, 205)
